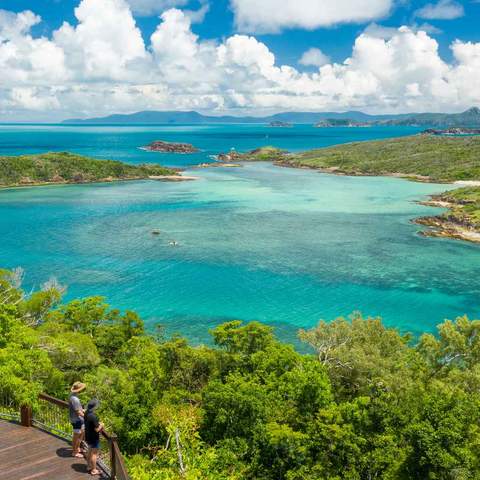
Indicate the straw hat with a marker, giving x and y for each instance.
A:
(78, 387)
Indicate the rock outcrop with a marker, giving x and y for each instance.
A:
(452, 131)
(170, 147)
(280, 124)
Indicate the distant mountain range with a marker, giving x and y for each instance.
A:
(469, 118)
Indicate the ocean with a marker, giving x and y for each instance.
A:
(284, 246)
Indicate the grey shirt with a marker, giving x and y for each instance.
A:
(74, 405)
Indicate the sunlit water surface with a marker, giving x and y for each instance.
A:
(284, 246)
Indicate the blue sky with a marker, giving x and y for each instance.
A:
(284, 31)
(288, 46)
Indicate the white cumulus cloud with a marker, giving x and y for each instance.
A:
(314, 57)
(262, 16)
(443, 10)
(105, 43)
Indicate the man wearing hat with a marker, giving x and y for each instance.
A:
(76, 417)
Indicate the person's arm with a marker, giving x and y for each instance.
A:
(78, 408)
(98, 425)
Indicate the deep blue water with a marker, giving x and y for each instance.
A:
(122, 143)
(284, 246)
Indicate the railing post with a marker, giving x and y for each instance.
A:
(26, 415)
(113, 463)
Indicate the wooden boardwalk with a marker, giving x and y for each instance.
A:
(31, 454)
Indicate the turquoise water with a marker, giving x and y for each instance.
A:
(284, 246)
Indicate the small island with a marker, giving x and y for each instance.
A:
(69, 168)
(279, 124)
(262, 154)
(341, 122)
(170, 147)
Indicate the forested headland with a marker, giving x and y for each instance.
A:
(432, 158)
(65, 167)
(368, 402)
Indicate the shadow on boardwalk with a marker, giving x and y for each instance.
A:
(30, 454)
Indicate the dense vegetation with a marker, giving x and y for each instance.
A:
(369, 403)
(64, 167)
(424, 157)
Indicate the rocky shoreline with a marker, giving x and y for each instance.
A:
(447, 225)
(452, 131)
(443, 228)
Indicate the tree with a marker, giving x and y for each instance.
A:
(362, 355)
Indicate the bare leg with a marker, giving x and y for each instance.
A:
(77, 438)
(82, 438)
(92, 464)
(89, 461)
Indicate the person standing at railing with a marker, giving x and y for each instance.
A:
(93, 427)
(77, 417)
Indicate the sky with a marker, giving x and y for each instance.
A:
(82, 58)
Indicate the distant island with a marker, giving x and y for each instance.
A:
(278, 123)
(340, 122)
(170, 147)
(425, 158)
(69, 168)
(469, 118)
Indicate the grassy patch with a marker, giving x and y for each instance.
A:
(418, 157)
(433, 158)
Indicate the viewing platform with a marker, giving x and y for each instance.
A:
(35, 444)
(28, 453)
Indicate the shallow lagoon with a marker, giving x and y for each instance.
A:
(284, 246)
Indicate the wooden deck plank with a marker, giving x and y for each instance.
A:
(31, 454)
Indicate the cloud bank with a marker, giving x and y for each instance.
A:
(101, 65)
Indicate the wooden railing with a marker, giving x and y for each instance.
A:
(52, 415)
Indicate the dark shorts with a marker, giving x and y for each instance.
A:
(93, 444)
(78, 426)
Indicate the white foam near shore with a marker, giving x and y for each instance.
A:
(468, 183)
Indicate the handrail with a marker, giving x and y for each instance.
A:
(55, 401)
(49, 420)
(119, 469)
